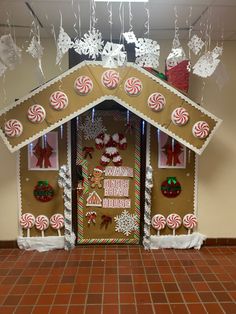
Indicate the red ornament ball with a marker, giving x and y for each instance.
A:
(43, 191)
(171, 187)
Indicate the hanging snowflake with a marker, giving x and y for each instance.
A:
(113, 56)
(126, 222)
(92, 43)
(64, 43)
(91, 128)
(130, 37)
(9, 52)
(3, 68)
(35, 49)
(217, 51)
(196, 44)
(206, 65)
(176, 56)
(79, 46)
(147, 52)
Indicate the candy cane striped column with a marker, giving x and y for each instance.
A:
(137, 177)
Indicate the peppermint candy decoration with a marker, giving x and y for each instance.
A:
(156, 102)
(58, 100)
(133, 86)
(173, 222)
(180, 116)
(190, 221)
(158, 222)
(57, 222)
(201, 129)
(27, 221)
(83, 85)
(13, 128)
(36, 114)
(41, 223)
(110, 79)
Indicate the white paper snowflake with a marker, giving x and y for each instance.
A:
(64, 43)
(3, 68)
(79, 46)
(9, 52)
(217, 51)
(130, 37)
(35, 49)
(92, 43)
(126, 222)
(91, 128)
(196, 44)
(147, 52)
(113, 56)
(206, 65)
(176, 56)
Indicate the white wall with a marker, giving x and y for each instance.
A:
(217, 170)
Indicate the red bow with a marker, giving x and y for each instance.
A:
(43, 155)
(105, 221)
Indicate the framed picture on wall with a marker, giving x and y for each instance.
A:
(171, 153)
(43, 153)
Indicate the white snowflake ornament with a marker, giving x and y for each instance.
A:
(113, 56)
(217, 51)
(64, 43)
(130, 37)
(79, 46)
(35, 49)
(196, 44)
(126, 223)
(91, 128)
(206, 65)
(9, 52)
(92, 43)
(176, 56)
(3, 68)
(147, 52)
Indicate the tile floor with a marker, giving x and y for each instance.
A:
(118, 279)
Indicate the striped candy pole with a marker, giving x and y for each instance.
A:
(137, 177)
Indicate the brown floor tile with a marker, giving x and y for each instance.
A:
(174, 297)
(94, 299)
(78, 298)
(179, 309)
(127, 298)
(76, 309)
(145, 308)
(191, 297)
(93, 309)
(110, 309)
(159, 298)
(110, 298)
(162, 309)
(213, 308)
(196, 308)
(229, 308)
(23, 310)
(56, 309)
(45, 299)
(29, 299)
(127, 309)
(61, 299)
(12, 300)
(41, 310)
(143, 298)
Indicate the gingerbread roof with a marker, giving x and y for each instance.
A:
(134, 99)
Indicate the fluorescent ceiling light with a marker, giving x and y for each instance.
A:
(121, 0)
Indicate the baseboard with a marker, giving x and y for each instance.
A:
(12, 244)
(220, 241)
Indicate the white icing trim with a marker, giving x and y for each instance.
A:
(148, 146)
(183, 241)
(18, 183)
(106, 97)
(195, 194)
(41, 244)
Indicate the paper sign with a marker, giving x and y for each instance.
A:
(119, 172)
(116, 187)
(116, 203)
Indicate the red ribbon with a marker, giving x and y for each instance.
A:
(43, 155)
(105, 221)
(87, 152)
(173, 153)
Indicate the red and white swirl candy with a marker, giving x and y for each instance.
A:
(156, 102)
(57, 222)
(83, 85)
(110, 79)
(13, 128)
(190, 221)
(58, 100)
(36, 114)
(201, 129)
(173, 222)
(27, 221)
(42, 223)
(158, 222)
(180, 116)
(133, 86)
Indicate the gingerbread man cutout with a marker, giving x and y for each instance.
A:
(97, 177)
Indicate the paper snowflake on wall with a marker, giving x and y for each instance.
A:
(147, 52)
(79, 46)
(196, 44)
(92, 43)
(91, 128)
(130, 37)
(126, 223)
(64, 43)
(176, 56)
(113, 56)
(35, 49)
(3, 68)
(9, 52)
